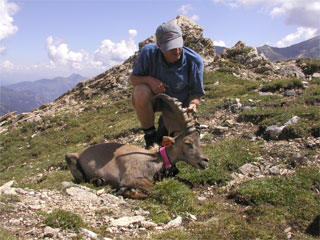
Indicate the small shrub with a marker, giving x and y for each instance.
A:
(64, 219)
(296, 195)
(175, 195)
(309, 66)
(278, 84)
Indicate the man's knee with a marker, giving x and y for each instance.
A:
(141, 94)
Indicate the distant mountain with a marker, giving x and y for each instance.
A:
(306, 49)
(219, 49)
(25, 96)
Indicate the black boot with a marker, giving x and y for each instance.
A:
(150, 137)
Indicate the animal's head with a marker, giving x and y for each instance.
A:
(186, 145)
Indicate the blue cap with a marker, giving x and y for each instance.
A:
(169, 36)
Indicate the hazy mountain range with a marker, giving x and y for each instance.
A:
(306, 49)
(25, 96)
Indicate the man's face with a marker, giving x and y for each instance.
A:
(173, 55)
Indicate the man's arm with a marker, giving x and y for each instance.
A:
(155, 84)
(193, 103)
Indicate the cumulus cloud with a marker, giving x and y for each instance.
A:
(302, 14)
(7, 28)
(219, 43)
(110, 53)
(185, 9)
(300, 35)
(59, 53)
(64, 61)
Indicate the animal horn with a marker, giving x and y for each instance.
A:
(174, 116)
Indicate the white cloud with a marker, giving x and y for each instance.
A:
(300, 35)
(299, 13)
(62, 61)
(7, 28)
(111, 53)
(219, 43)
(185, 9)
(195, 17)
(59, 53)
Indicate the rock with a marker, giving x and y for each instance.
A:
(293, 120)
(90, 234)
(7, 189)
(289, 93)
(126, 221)
(50, 232)
(174, 223)
(219, 130)
(81, 194)
(274, 131)
(275, 170)
(66, 184)
(250, 170)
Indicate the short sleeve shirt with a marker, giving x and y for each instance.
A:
(184, 79)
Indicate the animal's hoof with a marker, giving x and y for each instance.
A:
(98, 182)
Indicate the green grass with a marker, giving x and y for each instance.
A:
(6, 235)
(285, 84)
(295, 196)
(225, 158)
(64, 219)
(33, 148)
(170, 198)
(273, 204)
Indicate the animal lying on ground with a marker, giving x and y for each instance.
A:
(134, 169)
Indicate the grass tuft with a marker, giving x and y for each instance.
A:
(64, 219)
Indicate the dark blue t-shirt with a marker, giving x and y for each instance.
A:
(184, 79)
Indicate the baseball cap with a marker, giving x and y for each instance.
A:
(169, 36)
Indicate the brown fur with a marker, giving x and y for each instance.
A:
(131, 167)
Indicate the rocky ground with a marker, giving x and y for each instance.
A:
(122, 218)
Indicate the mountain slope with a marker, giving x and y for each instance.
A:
(306, 49)
(25, 96)
(19, 101)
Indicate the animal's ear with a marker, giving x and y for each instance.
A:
(167, 141)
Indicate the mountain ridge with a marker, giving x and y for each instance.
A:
(26, 96)
(306, 49)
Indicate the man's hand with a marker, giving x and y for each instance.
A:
(192, 107)
(156, 85)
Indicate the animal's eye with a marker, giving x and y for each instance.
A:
(188, 142)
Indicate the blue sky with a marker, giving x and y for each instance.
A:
(50, 38)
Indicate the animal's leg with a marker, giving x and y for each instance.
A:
(132, 193)
(137, 189)
(73, 165)
(98, 182)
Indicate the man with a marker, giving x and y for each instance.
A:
(165, 67)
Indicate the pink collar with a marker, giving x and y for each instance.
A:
(165, 158)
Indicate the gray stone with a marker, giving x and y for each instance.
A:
(174, 223)
(126, 221)
(50, 232)
(274, 131)
(289, 93)
(81, 194)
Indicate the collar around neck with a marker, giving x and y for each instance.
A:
(165, 158)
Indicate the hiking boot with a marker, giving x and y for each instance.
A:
(150, 139)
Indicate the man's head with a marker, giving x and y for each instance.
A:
(169, 40)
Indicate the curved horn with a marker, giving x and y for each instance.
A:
(174, 116)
